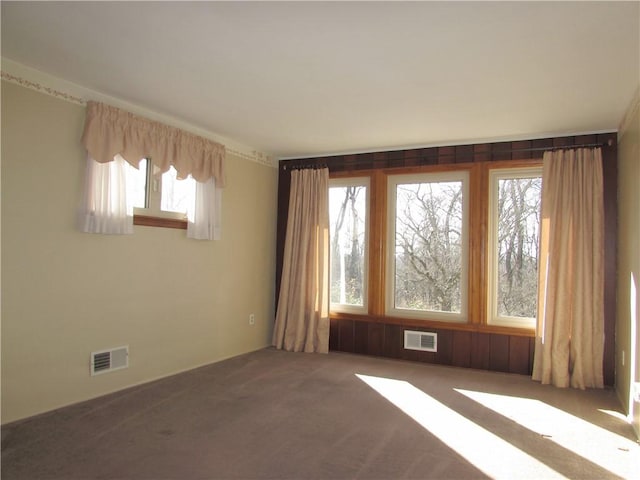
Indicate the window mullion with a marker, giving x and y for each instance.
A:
(155, 193)
(478, 240)
(377, 244)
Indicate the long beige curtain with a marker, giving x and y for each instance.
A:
(302, 319)
(570, 335)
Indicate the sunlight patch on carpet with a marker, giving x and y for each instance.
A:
(612, 452)
(489, 453)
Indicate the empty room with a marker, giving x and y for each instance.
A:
(320, 240)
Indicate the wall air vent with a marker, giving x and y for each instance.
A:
(109, 360)
(424, 341)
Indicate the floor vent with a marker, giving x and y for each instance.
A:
(109, 360)
(425, 341)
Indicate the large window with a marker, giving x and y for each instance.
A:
(514, 234)
(427, 245)
(438, 243)
(348, 205)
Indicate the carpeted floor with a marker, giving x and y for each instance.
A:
(272, 414)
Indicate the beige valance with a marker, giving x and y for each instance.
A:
(109, 131)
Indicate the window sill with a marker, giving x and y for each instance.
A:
(148, 221)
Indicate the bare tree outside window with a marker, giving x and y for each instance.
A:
(347, 210)
(518, 235)
(176, 194)
(428, 246)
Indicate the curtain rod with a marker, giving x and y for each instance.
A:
(561, 147)
(608, 143)
(305, 167)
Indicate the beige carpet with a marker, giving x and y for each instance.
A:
(272, 414)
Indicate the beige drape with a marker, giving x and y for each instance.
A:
(570, 335)
(109, 131)
(302, 319)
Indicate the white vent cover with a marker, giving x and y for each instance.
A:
(109, 360)
(425, 341)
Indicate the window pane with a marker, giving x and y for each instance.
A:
(137, 184)
(347, 216)
(517, 250)
(177, 195)
(428, 246)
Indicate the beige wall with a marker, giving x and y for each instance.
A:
(177, 303)
(628, 308)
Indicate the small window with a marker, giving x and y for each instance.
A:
(514, 234)
(137, 181)
(348, 235)
(159, 195)
(176, 195)
(427, 264)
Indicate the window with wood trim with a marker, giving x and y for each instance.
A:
(159, 199)
(514, 235)
(348, 230)
(433, 259)
(427, 245)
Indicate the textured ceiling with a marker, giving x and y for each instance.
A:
(297, 79)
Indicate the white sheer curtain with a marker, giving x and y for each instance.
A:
(204, 215)
(114, 138)
(105, 206)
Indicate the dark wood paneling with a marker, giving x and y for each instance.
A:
(464, 153)
(482, 152)
(519, 355)
(586, 139)
(360, 337)
(429, 156)
(334, 334)
(347, 343)
(501, 151)
(393, 341)
(499, 353)
(521, 151)
(395, 160)
(380, 160)
(480, 349)
(411, 161)
(563, 141)
(284, 186)
(419, 356)
(542, 143)
(446, 155)
(610, 181)
(375, 337)
(445, 347)
(461, 355)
